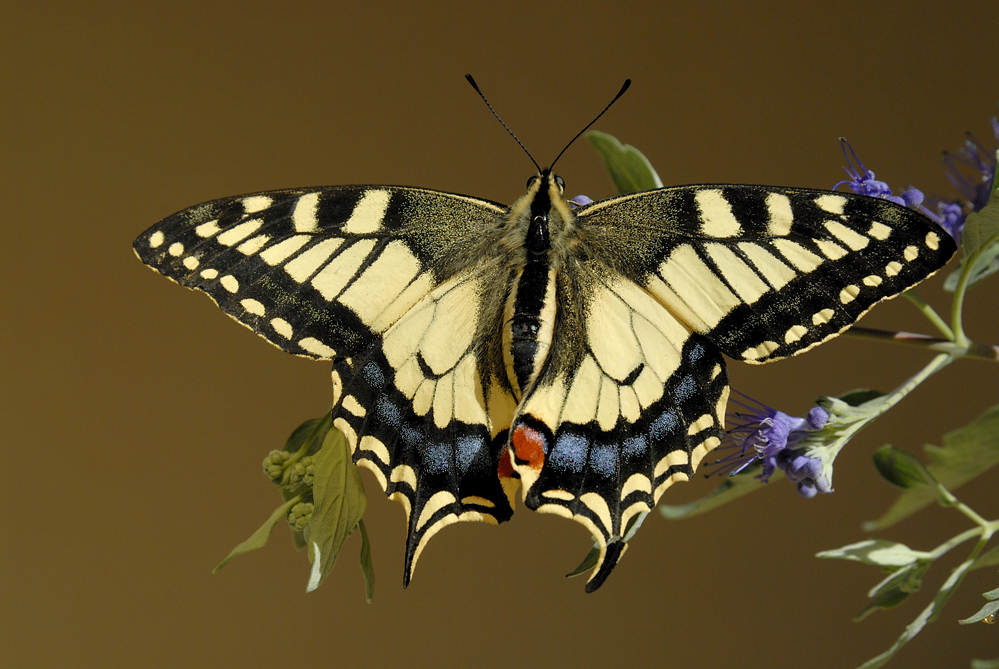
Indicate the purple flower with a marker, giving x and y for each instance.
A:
(981, 160)
(774, 438)
(949, 215)
(862, 181)
(579, 201)
(974, 187)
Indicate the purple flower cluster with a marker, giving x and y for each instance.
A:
(980, 161)
(971, 170)
(862, 181)
(775, 439)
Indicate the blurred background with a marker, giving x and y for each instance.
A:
(136, 415)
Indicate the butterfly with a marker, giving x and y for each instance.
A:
(574, 353)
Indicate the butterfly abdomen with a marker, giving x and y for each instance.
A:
(530, 310)
(528, 323)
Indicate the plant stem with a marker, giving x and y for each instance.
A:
(955, 541)
(930, 313)
(962, 287)
(886, 402)
(974, 349)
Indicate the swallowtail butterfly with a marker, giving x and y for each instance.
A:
(574, 352)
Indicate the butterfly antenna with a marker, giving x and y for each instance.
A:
(627, 84)
(476, 87)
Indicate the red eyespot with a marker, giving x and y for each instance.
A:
(505, 468)
(528, 446)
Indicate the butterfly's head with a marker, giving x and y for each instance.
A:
(548, 181)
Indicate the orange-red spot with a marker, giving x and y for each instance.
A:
(528, 445)
(505, 467)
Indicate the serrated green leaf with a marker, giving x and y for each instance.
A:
(259, 538)
(966, 453)
(983, 613)
(731, 489)
(888, 599)
(900, 468)
(339, 502)
(985, 664)
(861, 395)
(588, 563)
(988, 558)
(630, 170)
(367, 568)
(876, 551)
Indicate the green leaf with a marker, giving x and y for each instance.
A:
(630, 170)
(966, 453)
(877, 551)
(367, 568)
(986, 265)
(302, 433)
(588, 563)
(985, 664)
(895, 588)
(928, 615)
(983, 613)
(907, 579)
(339, 502)
(860, 396)
(259, 538)
(980, 236)
(988, 558)
(733, 488)
(982, 225)
(900, 468)
(888, 599)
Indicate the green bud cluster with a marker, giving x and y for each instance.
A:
(299, 516)
(274, 464)
(302, 471)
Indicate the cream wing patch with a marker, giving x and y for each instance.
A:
(630, 337)
(436, 336)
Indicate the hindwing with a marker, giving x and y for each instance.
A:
(629, 401)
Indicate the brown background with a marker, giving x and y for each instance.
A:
(135, 415)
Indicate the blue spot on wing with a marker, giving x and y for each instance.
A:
(436, 456)
(603, 459)
(685, 389)
(372, 373)
(664, 426)
(410, 436)
(634, 447)
(388, 413)
(467, 448)
(569, 452)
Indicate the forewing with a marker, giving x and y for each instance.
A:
(320, 272)
(403, 289)
(764, 272)
(629, 401)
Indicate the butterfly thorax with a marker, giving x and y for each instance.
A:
(540, 220)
